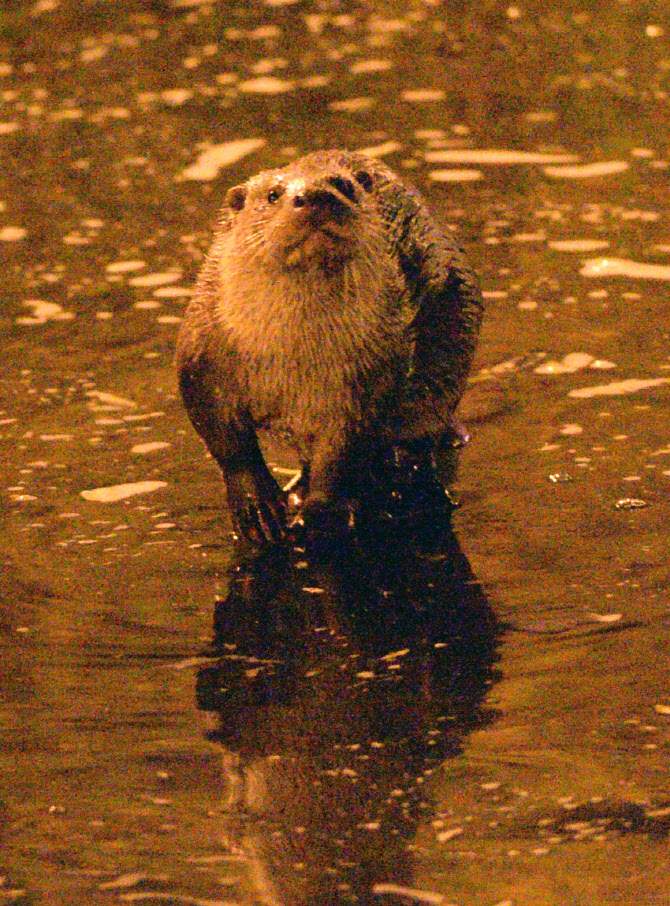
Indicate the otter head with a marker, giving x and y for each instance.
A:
(296, 219)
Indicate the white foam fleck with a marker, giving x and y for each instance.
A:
(352, 105)
(624, 267)
(168, 319)
(455, 175)
(422, 95)
(411, 893)
(317, 81)
(76, 239)
(538, 236)
(496, 157)
(429, 135)
(618, 388)
(605, 617)
(176, 96)
(157, 279)
(570, 363)
(122, 267)
(43, 312)
(364, 66)
(571, 430)
(381, 150)
(12, 234)
(602, 364)
(578, 245)
(7, 128)
(172, 292)
(91, 54)
(266, 85)
(116, 492)
(541, 116)
(210, 161)
(72, 113)
(586, 171)
(150, 447)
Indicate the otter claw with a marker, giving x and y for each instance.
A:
(257, 521)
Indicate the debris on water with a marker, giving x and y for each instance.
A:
(352, 105)
(12, 234)
(422, 95)
(496, 157)
(460, 174)
(150, 447)
(662, 709)
(624, 267)
(157, 279)
(209, 162)
(114, 493)
(266, 85)
(395, 654)
(122, 267)
(411, 893)
(451, 834)
(111, 399)
(602, 364)
(587, 171)
(381, 150)
(131, 879)
(570, 363)
(605, 617)
(618, 388)
(577, 245)
(43, 312)
(630, 503)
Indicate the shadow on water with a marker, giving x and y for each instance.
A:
(340, 685)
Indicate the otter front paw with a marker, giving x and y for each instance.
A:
(257, 508)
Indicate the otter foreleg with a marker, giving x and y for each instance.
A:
(257, 504)
(326, 509)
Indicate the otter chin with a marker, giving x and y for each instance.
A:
(334, 311)
(325, 245)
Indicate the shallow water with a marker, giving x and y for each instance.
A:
(486, 727)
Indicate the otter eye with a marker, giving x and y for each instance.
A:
(236, 197)
(275, 194)
(364, 179)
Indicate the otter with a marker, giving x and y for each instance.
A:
(333, 311)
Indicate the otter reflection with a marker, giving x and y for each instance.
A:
(340, 686)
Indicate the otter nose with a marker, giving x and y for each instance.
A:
(331, 197)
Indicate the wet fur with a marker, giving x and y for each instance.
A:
(318, 335)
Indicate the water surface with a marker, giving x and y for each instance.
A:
(486, 727)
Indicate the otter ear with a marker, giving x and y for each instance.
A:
(364, 179)
(236, 197)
